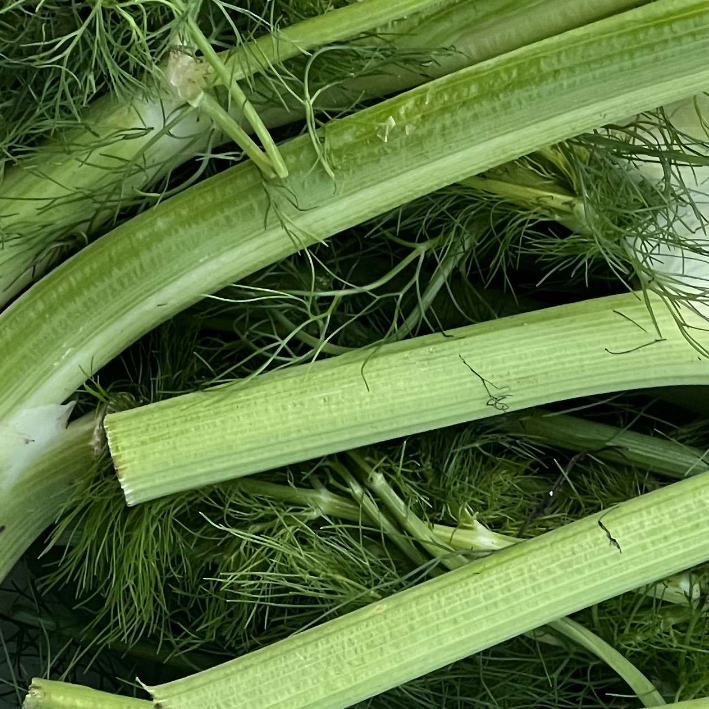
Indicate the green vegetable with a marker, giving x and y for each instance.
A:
(419, 630)
(319, 428)
(394, 390)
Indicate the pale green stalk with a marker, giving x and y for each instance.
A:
(89, 309)
(464, 611)
(342, 24)
(370, 510)
(47, 694)
(78, 181)
(399, 389)
(195, 236)
(656, 453)
(42, 490)
(54, 695)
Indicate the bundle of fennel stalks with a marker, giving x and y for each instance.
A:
(354, 353)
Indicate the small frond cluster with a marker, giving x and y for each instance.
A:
(62, 55)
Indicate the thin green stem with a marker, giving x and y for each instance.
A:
(324, 347)
(636, 680)
(563, 208)
(326, 502)
(655, 453)
(210, 107)
(244, 105)
(478, 538)
(371, 511)
(409, 521)
(454, 255)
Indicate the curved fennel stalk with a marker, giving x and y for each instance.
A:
(37, 497)
(94, 305)
(76, 183)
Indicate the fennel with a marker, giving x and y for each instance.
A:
(455, 614)
(70, 186)
(244, 581)
(398, 389)
(271, 533)
(669, 254)
(277, 521)
(39, 494)
(566, 627)
(319, 498)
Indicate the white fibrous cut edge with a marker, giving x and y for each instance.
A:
(681, 589)
(682, 269)
(185, 74)
(27, 434)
